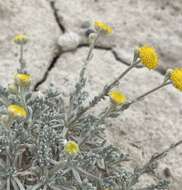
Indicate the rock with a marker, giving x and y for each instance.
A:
(134, 22)
(36, 20)
(69, 41)
(148, 126)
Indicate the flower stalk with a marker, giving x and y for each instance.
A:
(21, 40)
(128, 104)
(21, 59)
(92, 45)
(150, 92)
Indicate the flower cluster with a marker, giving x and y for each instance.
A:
(103, 27)
(23, 79)
(117, 97)
(20, 39)
(17, 111)
(176, 78)
(148, 56)
(71, 147)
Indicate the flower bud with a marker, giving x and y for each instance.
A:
(20, 39)
(17, 111)
(23, 80)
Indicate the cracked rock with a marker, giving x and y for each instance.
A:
(134, 22)
(69, 41)
(36, 20)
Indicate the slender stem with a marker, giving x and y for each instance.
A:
(159, 156)
(22, 66)
(149, 92)
(21, 53)
(108, 88)
(92, 46)
(22, 95)
(128, 104)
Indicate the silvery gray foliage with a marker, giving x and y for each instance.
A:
(32, 153)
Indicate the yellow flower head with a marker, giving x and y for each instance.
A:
(148, 56)
(117, 97)
(103, 27)
(23, 79)
(71, 147)
(17, 111)
(176, 78)
(20, 39)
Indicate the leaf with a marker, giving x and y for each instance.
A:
(101, 164)
(88, 174)
(76, 175)
(25, 173)
(3, 173)
(45, 187)
(114, 115)
(37, 186)
(54, 187)
(8, 184)
(15, 186)
(57, 167)
(20, 185)
(2, 164)
(2, 184)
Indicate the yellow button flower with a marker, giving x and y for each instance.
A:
(176, 78)
(103, 27)
(71, 147)
(17, 111)
(148, 56)
(23, 79)
(117, 97)
(20, 39)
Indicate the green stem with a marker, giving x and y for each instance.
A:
(22, 95)
(108, 88)
(92, 46)
(128, 104)
(149, 92)
(21, 60)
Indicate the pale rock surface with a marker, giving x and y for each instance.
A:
(36, 20)
(134, 22)
(147, 127)
(69, 41)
